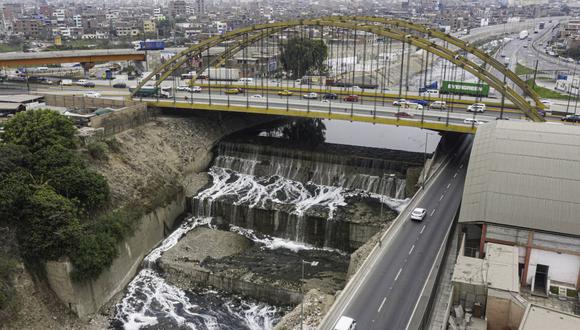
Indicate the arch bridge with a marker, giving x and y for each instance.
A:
(380, 49)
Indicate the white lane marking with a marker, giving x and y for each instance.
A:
(449, 185)
(455, 175)
(398, 273)
(412, 248)
(381, 306)
(423, 229)
(441, 198)
(461, 166)
(432, 212)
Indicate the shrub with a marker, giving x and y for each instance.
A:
(97, 150)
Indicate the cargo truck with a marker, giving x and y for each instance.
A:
(229, 74)
(152, 91)
(464, 88)
(149, 45)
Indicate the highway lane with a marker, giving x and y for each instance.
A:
(387, 296)
(456, 118)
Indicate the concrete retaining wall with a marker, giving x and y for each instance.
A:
(81, 102)
(123, 119)
(262, 292)
(87, 298)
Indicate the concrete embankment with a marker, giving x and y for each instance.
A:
(154, 167)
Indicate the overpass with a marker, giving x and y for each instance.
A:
(21, 59)
(405, 36)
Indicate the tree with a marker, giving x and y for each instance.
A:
(50, 227)
(89, 189)
(40, 129)
(302, 55)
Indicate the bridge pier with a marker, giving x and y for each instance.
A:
(87, 66)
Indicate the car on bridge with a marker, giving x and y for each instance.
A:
(285, 93)
(330, 96)
(257, 96)
(418, 214)
(351, 98)
(438, 105)
(310, 96)
(234, 91)
(421, 102)
(400, 102)
(88, 84)
(571, 118)
(471, 121)
(120, 85)
(476, 107)
(403, 115)
(93, 94)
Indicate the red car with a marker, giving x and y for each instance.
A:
(351, 98)
(403, 115)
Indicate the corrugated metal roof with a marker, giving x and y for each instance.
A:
(20, 98)
(526, 175)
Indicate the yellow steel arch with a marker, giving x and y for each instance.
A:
(466, 46)
(257, 31)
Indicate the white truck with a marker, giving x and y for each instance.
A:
(524, 34)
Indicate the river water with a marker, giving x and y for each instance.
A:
(250, 180)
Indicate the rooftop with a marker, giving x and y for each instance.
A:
(499, 269)
(541, 318)
(525, 175)
(19, 98)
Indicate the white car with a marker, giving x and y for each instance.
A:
(547, 103)
(476, 107)
(470, 121)
(183, 88)
(81, 82)
(257, 96)
(418, 214)
(345, 323)
(310, 96)
(400, 102)
(93, 94)
(438, 105)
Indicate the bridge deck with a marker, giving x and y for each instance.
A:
(16, 59)
(348, 116)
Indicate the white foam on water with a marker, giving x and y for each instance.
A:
(273, 243)
(256, 191)
(149, 297)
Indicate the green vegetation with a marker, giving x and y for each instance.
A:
(545, 92)
(523, 70)
(97, 150)
(7, 292)
(50, 195)
(573, 53)
(300, 56)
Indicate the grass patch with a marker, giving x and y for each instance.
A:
(546, 93)
(5, 48)
(523, 70)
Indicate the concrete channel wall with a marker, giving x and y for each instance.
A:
(263, 292)
(87, 298)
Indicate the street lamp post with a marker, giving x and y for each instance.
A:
(313, 264)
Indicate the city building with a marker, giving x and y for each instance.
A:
(177, 8)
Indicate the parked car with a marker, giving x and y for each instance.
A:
(330, 96)
(351, 98)
(403, 115)
(120, 85)
(571, 118)
(310, 96)
(476, 107)
(418, 214)
(438, 105)
(285, 93)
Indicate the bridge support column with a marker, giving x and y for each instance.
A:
(86, 67)
(527, 259)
